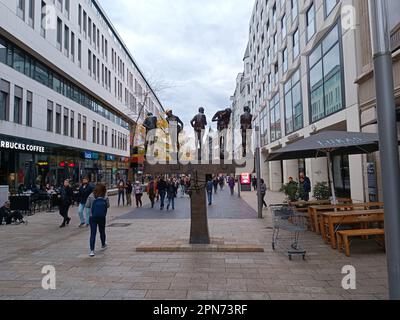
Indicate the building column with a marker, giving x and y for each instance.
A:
(275, 170)
(265, 169)
(317, 171)
(290, 169)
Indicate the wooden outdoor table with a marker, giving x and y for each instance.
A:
(350, 217)
(315, 211)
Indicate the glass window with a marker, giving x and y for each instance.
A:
(310, 22)
(28, 113)
(18, 110)
(329, 6)
(3, 51)
(21, 61)
(295, 9)
(4, 100)
(275, 119)
(58, 119)
(326, 92)
(59, 33)
(296, 44)
(293, 104)
(50, 116)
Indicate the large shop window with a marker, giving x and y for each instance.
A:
(275, 119)
(293, 104)
(325, 74)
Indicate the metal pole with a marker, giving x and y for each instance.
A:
(331, 181)
(258, 172)
(388, 139)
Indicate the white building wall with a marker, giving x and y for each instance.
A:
(346, 119)
(45, 49)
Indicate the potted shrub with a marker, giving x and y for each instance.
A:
(322, 191)
(291, 190)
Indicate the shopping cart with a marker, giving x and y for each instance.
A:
(288, 226)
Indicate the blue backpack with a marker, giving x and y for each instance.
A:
(99, 208)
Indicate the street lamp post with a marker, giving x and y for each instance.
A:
(388, 140)
(258, 172)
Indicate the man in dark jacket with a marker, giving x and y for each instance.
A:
(85, 190)
(65, 198)
(171, 193)
(305, 185)
(162, 190)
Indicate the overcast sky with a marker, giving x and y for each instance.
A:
(194, 46)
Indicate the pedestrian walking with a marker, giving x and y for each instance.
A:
(65, 199)
(231, 183)
(171, 194)
(221, 182)
(215, 184)
(209, 189)
(182, 186)
(129, 190)
(263, 191)
(152, 191)
(98, 203)
(85, 190)
(121, 192)
(138, 194)
(254, 183)
(162, 190)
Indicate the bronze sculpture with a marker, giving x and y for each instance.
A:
(199, 123)
(246, 120)
(223, 119)
(150, 123)
(175, 128)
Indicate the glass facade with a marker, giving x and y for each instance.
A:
(31, 67)
(275, 119)
(57, 164)
(293, 104)
(325, 76)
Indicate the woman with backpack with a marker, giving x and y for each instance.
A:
(98, 203)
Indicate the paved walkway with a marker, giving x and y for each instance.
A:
(123, 273)
(225, 206)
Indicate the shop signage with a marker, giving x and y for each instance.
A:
(21, 146)
(42, 163)
(88, 155)
(245, 178)
(110, 157)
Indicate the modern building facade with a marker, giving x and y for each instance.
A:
(70, 94)
(366, 86)
(303, 66)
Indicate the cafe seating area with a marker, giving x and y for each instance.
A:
(338, 225)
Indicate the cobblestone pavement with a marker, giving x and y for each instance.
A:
(122, 273)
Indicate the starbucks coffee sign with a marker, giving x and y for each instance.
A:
(21, 146)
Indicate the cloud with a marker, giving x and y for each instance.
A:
(195, 45)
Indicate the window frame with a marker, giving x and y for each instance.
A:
(341, 58)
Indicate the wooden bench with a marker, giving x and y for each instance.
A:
(343, 237)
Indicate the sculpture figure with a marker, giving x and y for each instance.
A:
(223, 119)
(150, 123)
(246, 120)
(175, 126)
(199, 123)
